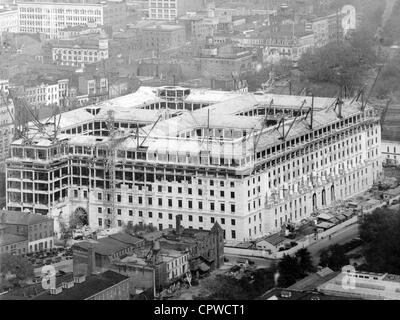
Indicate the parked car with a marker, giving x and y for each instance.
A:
(250, 262)
(241, 261)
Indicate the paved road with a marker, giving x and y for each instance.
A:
(340, 237)
(259, 262)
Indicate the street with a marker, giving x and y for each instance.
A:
(340, 237)
(259, 262)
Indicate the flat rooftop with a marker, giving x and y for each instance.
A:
(82, 291)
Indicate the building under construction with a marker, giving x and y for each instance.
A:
(251, 162)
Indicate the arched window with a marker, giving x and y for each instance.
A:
(314, 201)
(324, 197)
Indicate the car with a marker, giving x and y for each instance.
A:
(241, 261)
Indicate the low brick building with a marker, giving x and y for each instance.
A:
(38, 230)
(100, 253)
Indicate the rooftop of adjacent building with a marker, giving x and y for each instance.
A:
(93, 285)
(109, 245)
(21, 218)
(291, 294)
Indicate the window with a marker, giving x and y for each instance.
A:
(140, 213)
(200, 219)
(119, 223)
(99, 196)
(170, 202)
(100, 222)
(233, 222)
(150, 214)
(170, 216)
(233, 233)
(222, 220)
(190, 204)
(160, 215)
(200, 192)
(159, 188)
(99, 210)
(200, 205)
(130, 199)
(180, 203)
(190, 218)
(119, 211)
(118, 198)
(222, 193)
(140, 200)
(169, 189)
(212, 219)
(160, 201)
(233, 208)
(222, 207)
(131, 213)
(232, 195)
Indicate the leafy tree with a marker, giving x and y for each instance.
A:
(381, 233)
(251, 285)
(138, 228)
(289, 271)
(334, 258)
(305, 261)
(17, 265)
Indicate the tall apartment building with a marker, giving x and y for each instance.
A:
(231, 160)
(172, 9)
(79, 52)
(50, 17)
(8, 20)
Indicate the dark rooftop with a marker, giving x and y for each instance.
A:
(81, 291)
(104, 246)
(125, 238)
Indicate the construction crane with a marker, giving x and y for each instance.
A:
(116, 138)
(282, 122)
(385, 110)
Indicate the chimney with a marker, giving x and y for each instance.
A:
(91, 260)
(178, 225)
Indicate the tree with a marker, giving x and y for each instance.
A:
(17, 265)
(381, 233)
(334, 258)
(289, 271)
(138, 228)
(343, 63)
(305, 262)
